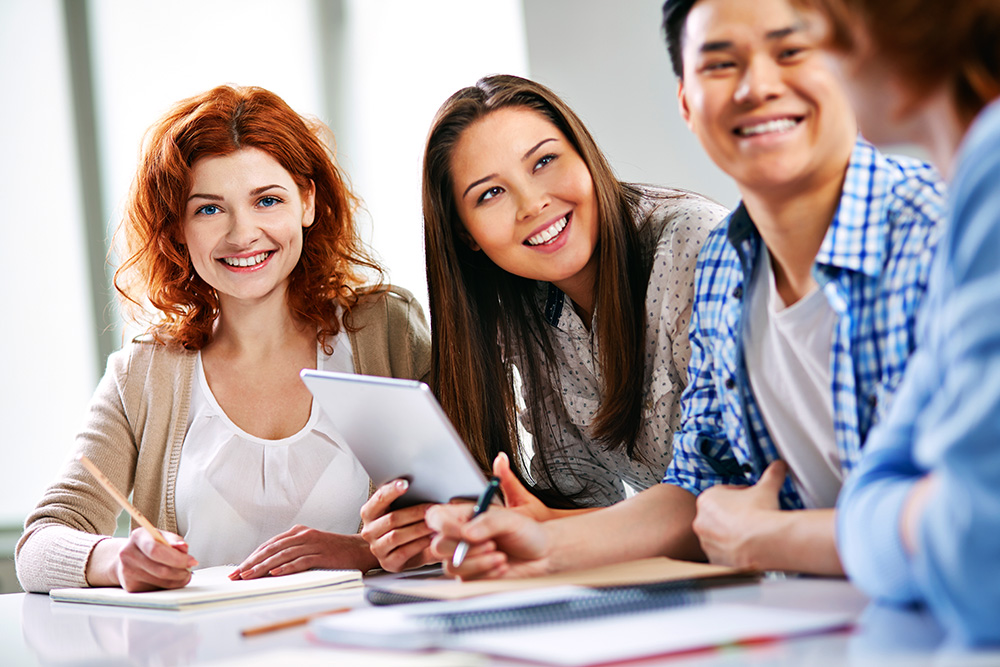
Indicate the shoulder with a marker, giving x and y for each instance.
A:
(389, 334)
(914, 191)
(663, 210)
(146, 358)
(146, 372)
(978, 159)
(384, 306)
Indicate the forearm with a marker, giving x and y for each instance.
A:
(797, 541)
(656, 522)
(103, 562)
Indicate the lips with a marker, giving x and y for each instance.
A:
(246, 262)
(771, 126)
(549, 234)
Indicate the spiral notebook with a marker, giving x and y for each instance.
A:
(405, 587)
(572, 625)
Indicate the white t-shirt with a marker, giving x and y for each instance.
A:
(787, 352)
(235, 491)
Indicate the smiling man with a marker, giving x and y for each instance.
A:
(805, 308)
(806, 301)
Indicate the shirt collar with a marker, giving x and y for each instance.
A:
(553, 305)
(855, 238)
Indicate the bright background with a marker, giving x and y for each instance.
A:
(82, 79)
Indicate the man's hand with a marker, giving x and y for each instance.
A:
(731, 520)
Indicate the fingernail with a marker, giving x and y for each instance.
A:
(402, 484)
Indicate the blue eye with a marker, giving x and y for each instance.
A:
(490, 194)
(207, 209)
(269, 201)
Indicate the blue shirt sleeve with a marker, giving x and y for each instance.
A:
(703, 455)
(945, 422)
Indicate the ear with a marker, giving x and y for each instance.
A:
(467, 239)
(682, 104)
(309, 205)
(178, 234)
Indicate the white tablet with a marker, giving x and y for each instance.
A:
(397, 429)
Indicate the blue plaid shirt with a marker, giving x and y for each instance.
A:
(873, 268)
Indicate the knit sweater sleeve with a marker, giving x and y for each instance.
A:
(75, 513)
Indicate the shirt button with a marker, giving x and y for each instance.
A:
(738, 292)
(747, 469)
(730, 383)
(873, 401)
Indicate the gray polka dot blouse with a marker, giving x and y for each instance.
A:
(673, 225)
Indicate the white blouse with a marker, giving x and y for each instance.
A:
(235, 491)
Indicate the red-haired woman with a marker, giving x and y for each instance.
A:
(240, 241)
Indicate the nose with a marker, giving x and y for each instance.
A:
(243, 230)
(761, 80)
(531, 200)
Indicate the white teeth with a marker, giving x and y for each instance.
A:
(781, 125)
(253, 260)
(549, 232)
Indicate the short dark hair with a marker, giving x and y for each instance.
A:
(675, 13)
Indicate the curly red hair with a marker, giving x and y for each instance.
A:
(323, 286)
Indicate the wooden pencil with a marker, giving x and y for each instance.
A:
(122, 500)
(290, 623)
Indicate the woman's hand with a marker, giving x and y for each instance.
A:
(515, 495)
(302, 548)
(401, 539)
(140, 563)
(502, 542)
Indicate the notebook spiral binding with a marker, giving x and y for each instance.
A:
(603, 602)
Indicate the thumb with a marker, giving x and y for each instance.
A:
(774, 476)
(514, 493)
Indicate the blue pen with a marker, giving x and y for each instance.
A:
(481, 506)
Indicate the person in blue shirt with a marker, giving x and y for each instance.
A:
(803, 322)
(919, 520)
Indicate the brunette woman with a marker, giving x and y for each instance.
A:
(560, 299)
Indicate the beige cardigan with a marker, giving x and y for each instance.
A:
(135, 427)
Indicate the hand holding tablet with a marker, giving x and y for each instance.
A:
(397, 430)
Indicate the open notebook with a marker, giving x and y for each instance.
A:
(211, 587)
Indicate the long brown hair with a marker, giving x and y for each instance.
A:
(483, 317)
(928, 42)
(156, 266)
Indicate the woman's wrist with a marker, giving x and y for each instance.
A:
(102, 565)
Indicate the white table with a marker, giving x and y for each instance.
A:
(36, 631)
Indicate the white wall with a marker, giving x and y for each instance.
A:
(608, 60)
(403, 59)
(375, 70)
(47, 339)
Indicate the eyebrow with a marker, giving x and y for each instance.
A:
(771, 35)
(531, 151)
(254, 192)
